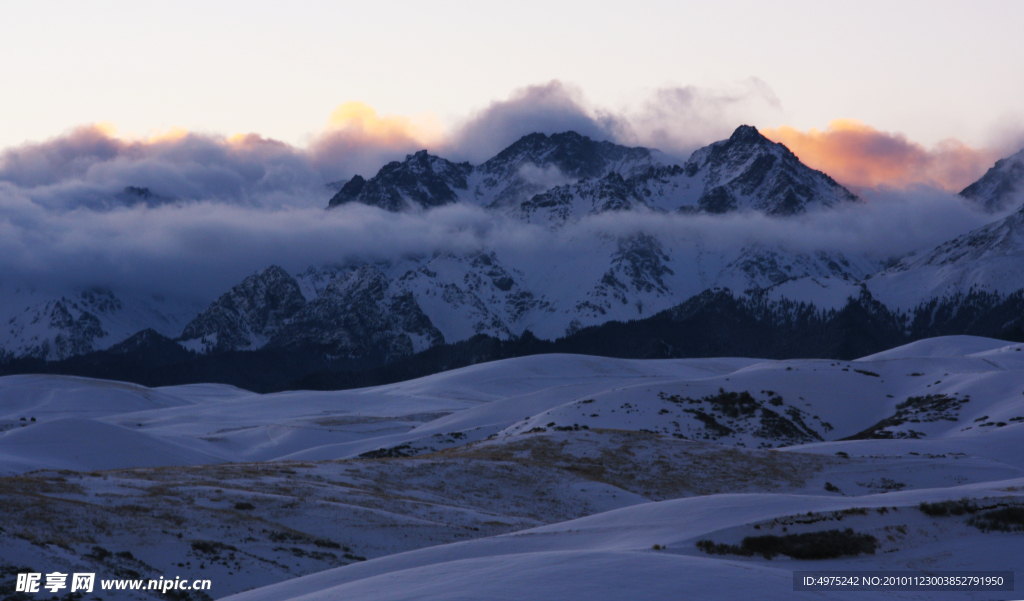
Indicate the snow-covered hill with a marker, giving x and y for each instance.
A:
(953, 389)
(559, 471)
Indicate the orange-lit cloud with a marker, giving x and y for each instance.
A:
(857, 154)
(359, 118)
(356, 139)
(172, 134)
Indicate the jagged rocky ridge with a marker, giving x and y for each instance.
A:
(550, 180)
(747, 171)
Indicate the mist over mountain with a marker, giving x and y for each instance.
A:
(552, 235)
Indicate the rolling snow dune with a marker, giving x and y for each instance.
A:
(611, 555)
(960, 387)
(945, 346)
(221, 423)
(87, 445)
(547, 477)
(64, 396)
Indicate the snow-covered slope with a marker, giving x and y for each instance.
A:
(1002, 186)
(955, 389)
(988, 258)
(648, 551)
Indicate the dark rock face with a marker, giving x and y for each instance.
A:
(717, 200)
(1002, 186)
(349, 191)
(574, 155)
(136, 195)
(638, 266)
(359, 314)
(76, 334)
(488, 264)
(421, 181)
(250, 313)
(590, 196)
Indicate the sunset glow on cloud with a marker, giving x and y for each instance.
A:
(360, 118)
(857, 154)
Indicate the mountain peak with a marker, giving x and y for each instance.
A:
(750, 171)
(746, 133)
(422, 180)
(134, 195)
(574, 154)
(143, 193)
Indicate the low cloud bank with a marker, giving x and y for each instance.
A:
(197, 250)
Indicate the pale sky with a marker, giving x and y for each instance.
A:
(931, 70)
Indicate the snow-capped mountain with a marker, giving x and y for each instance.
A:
(1002, 186)
(401, 306)
(421, 181)
(354, 312)
(537, 162)
(531, 165)
(565, 176)
(748, 171)
(745, 172)
(379, 311)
